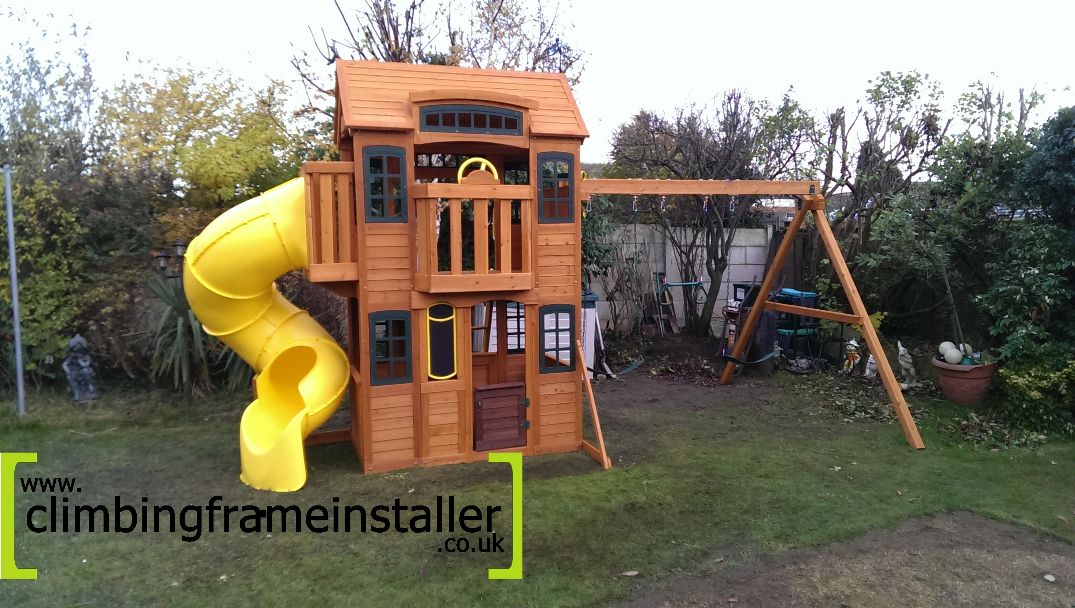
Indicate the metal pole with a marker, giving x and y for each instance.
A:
(14, 291)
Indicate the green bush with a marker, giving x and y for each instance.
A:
(1039, 394)
(1029, 297)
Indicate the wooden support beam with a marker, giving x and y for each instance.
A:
(763, 293)
(329, 436)
(471, 282)
(330, 273)
(603, 460)
(471, 191)
(328, 166)
(699, 187)
(815, 313)
(903, 413)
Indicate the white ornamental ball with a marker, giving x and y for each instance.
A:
(953, 356)
(945, 346)
(967, 349)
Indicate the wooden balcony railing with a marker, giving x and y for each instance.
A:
(473, 237)
(330, 221)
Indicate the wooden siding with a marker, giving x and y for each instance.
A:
(560, 413)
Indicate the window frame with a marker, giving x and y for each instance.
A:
(545, 366)
(384, 152)
(519, 316)
(388, 316)
(456, 109)
(540, 180)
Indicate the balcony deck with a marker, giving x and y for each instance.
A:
(486, 246)
(497, 257)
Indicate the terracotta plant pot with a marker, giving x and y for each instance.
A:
(964, 384)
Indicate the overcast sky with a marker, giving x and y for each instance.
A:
(656, 55)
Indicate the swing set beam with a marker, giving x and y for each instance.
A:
(700, 187)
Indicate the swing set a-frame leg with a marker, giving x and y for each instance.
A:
(816, 206)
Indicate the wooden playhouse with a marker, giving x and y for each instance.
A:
(464, 293)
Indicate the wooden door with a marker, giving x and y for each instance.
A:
(500, 416)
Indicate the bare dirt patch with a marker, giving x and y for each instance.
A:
(953, 559)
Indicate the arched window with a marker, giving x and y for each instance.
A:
(471, 119)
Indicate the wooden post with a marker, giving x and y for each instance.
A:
(910, 431)
(599, 454)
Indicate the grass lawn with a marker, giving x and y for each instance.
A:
(705, 478)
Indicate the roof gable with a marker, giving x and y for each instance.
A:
(377, 95)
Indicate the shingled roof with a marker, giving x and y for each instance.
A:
(376, 95)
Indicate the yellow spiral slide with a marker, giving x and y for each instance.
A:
(228, 275)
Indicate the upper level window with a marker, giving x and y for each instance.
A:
(471, 119)
(386, 183)
(556, 188)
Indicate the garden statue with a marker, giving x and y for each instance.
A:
(871, 367)
(910, 377)
(852, 357)
(79, 369)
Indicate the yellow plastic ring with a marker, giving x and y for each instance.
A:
(485, 165)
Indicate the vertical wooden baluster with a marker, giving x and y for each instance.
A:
(524, 249)
(456, 211)
(503, 235)
(481, 235)
(422, 235)
(432, 205)
(343, 217)
(312, 250)
(328, 224)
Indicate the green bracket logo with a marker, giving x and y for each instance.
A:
(8, 569)
(515, 570)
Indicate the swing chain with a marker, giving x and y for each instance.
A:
(705, 205)
(664, 200)
(634, 204)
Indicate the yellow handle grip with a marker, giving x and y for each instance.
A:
(485, 165)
